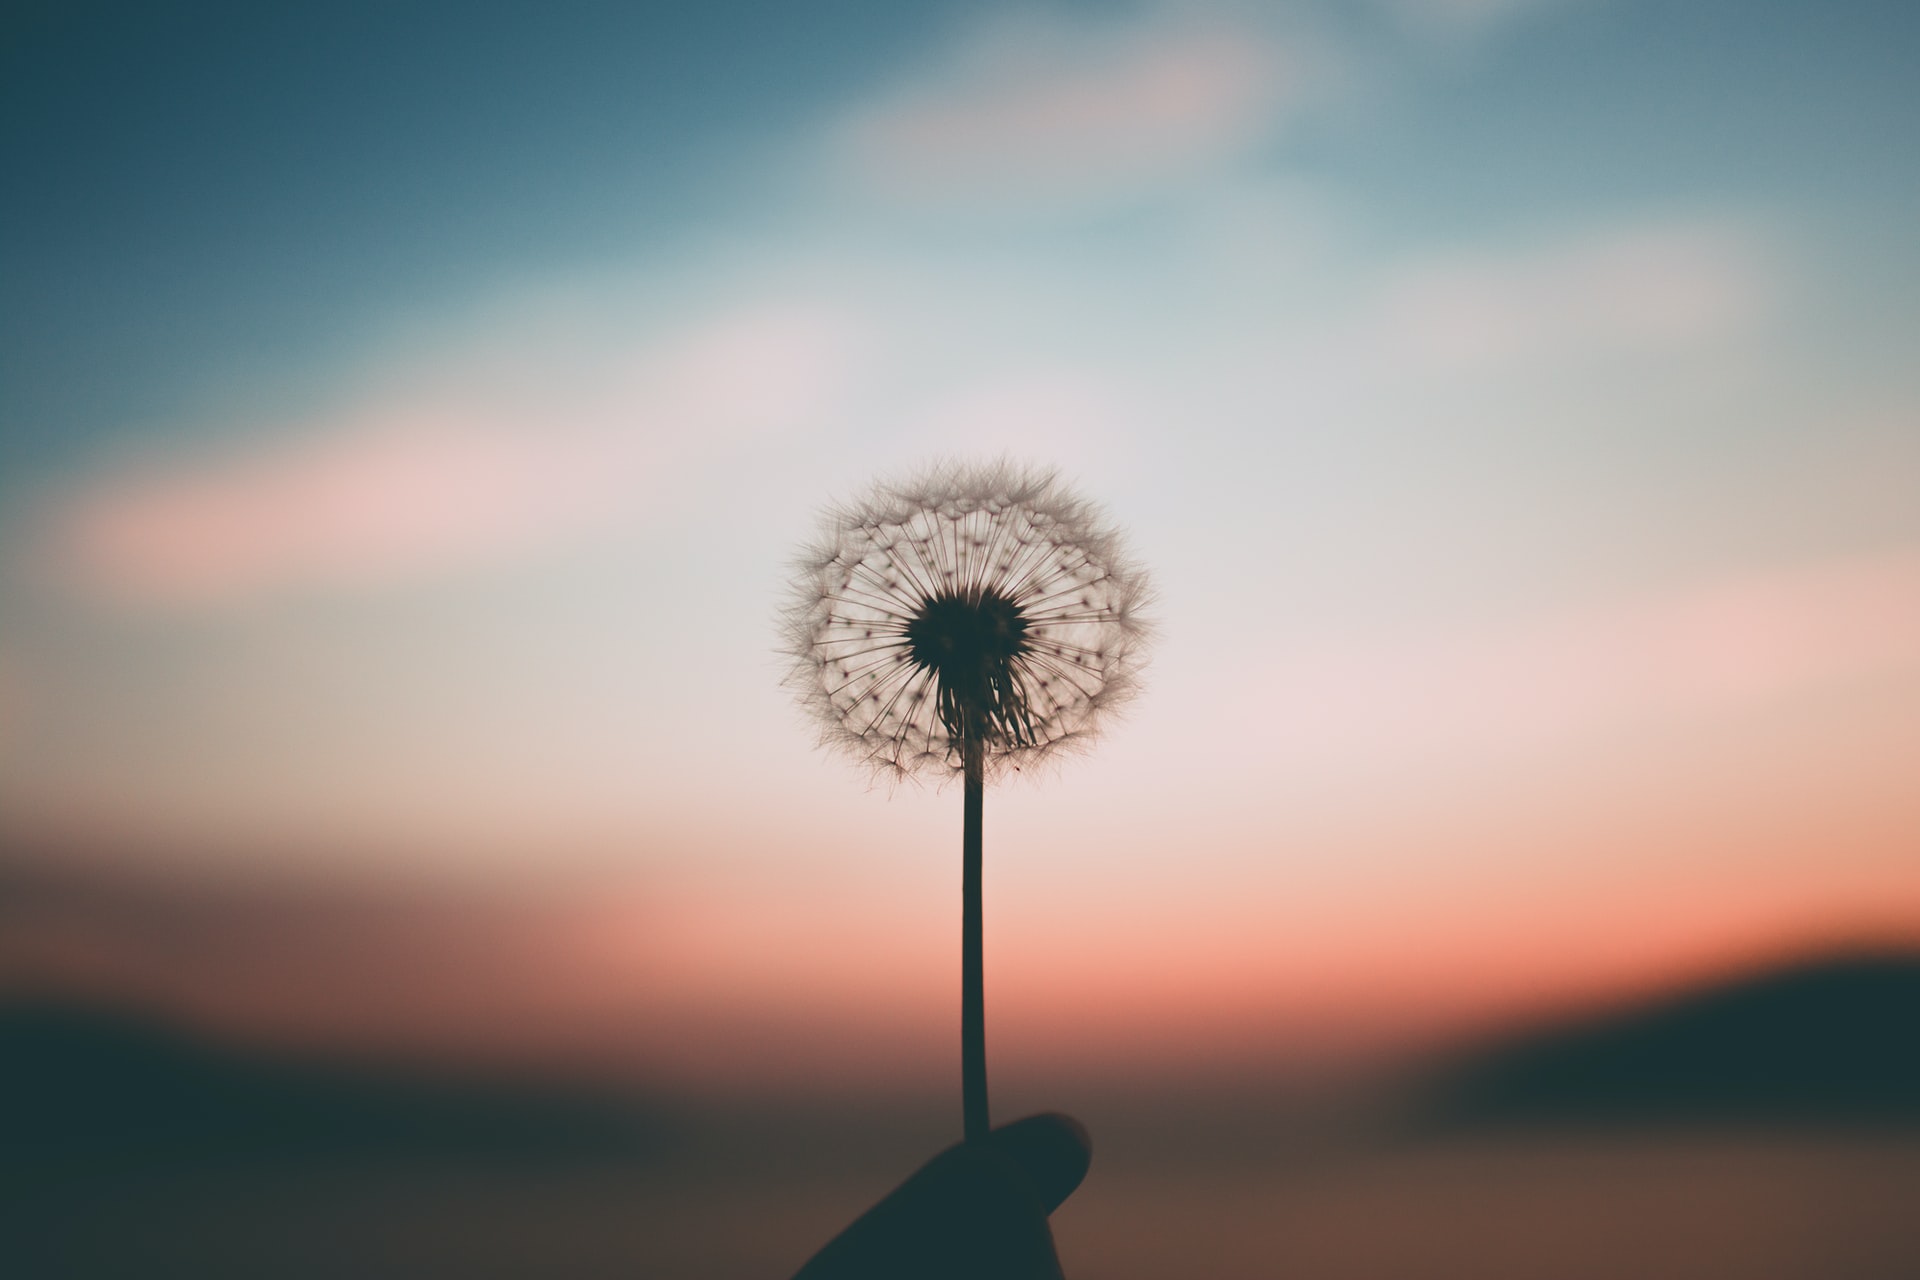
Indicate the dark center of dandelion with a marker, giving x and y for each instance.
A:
(970, 642)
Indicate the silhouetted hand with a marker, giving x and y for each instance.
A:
(972, 1212)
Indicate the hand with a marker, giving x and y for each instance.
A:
(974, 1211)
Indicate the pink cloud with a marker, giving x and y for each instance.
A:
(1062, 414)
(383, 499)
(1742, 641)
(1058, 112)
(13, 704)
(448, 479)
(1648, 289)
(1463, 16)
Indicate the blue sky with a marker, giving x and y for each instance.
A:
(407, 414)
(209, 194)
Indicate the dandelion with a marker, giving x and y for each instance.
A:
(968, 621)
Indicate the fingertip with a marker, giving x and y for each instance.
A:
(1052, 1152)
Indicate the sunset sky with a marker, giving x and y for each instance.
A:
(409, 412)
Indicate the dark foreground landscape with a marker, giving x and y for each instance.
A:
(1765, 1129)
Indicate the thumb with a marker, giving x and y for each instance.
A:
(1049, 1154)
(975, 1210)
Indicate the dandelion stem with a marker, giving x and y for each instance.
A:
(973, 1018)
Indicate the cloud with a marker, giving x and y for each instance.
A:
(1065, 414)
(14, 705)
(1636, 290)
(1053, 110)
(478, 469)
(1457, 17)
(1042, 109)
(384, 497)
(1746, 640)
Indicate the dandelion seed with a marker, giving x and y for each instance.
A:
(970, 620)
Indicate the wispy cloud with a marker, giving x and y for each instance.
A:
(14, 705)
(472, 471)
(1651, 288)
(1741, 641)
(1039, 108)
(1051, 109)
(1463, 17)
(1066, 414)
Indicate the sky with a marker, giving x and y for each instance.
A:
(409, 414)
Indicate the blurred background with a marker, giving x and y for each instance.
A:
(410, 864)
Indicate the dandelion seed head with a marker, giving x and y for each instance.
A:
(981, 605)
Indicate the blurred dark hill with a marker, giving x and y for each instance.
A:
(1831, 1042)
(94, 1088)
